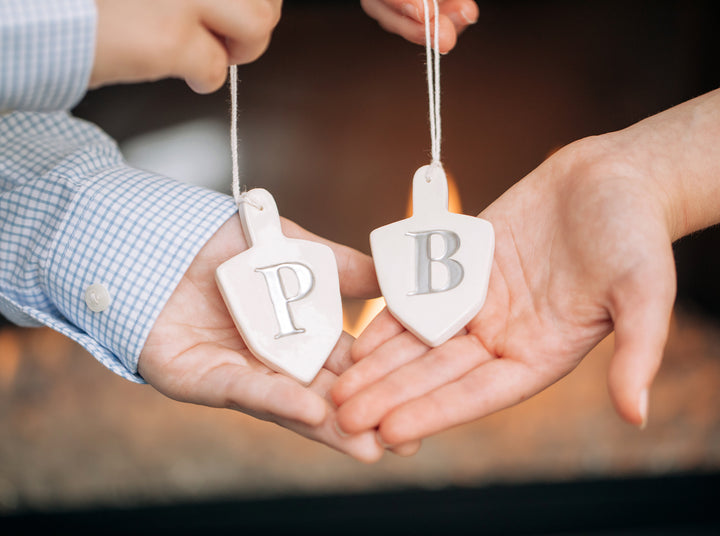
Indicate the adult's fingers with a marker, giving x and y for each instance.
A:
(215, 376)
(339, 360)
(490, 387)
(420, 376)
(204, 64)
(246, 26)
(363, 446)
(356, 270)
(462, 13)
(641, 329)
(389, 357)
(410, 26)
(406, 449)
(382, 328)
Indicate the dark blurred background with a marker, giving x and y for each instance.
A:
(333, 122)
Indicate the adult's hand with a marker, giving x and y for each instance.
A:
(407, 18)
(583, 247)
(196, 40)
(195, 354)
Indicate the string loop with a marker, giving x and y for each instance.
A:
(432, 52)
(240, 197)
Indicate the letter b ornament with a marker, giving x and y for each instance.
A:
(434, 267)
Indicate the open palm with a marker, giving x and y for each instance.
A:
(195, 354)
(582, 248)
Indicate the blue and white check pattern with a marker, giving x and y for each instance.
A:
(46, 53)
(73, 214)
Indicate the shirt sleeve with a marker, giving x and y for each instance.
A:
(47, 50)
(73, 215)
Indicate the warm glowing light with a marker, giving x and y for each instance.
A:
(359, 315)
(454, 204)
(354, 324)
(9, 357)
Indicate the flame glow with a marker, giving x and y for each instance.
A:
(355, 326)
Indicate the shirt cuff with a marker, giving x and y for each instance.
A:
(134, 234)
(47, 50)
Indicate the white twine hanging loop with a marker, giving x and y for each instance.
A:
(240, 197)
(432, 51)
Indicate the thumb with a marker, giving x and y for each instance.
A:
(357, 273)
(642, 322)
(356, 269)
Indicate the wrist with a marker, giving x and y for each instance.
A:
(612, 167)
(676, 154)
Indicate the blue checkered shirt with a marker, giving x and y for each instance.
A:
(72, 213)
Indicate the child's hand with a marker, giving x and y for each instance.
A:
(196, 40)
(195, 354)
(406, 18)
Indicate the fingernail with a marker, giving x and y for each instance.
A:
(380, 441)
(643, 407)
(411, 12)
(340, 431)
(468, 15)
(458, 19)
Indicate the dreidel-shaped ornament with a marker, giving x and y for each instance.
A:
(434, 267)
(282, 293)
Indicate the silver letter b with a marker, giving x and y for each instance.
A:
(424, 260)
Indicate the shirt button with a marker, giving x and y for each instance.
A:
(97, 298)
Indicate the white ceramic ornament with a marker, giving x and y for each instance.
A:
(283, 293)
(434, 267)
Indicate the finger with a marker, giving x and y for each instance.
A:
(204, 64)
(356, 270)
(407, 449)
(490, 387)
(437, 367)
(339, 360)
(363, 447)
(246, 26)
(395, 353)
(462, 13)
(641, 331)
(410, 24)
(222, 378)
(382, 328)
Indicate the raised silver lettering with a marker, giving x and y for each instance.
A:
(279, 294)
(424, 260)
